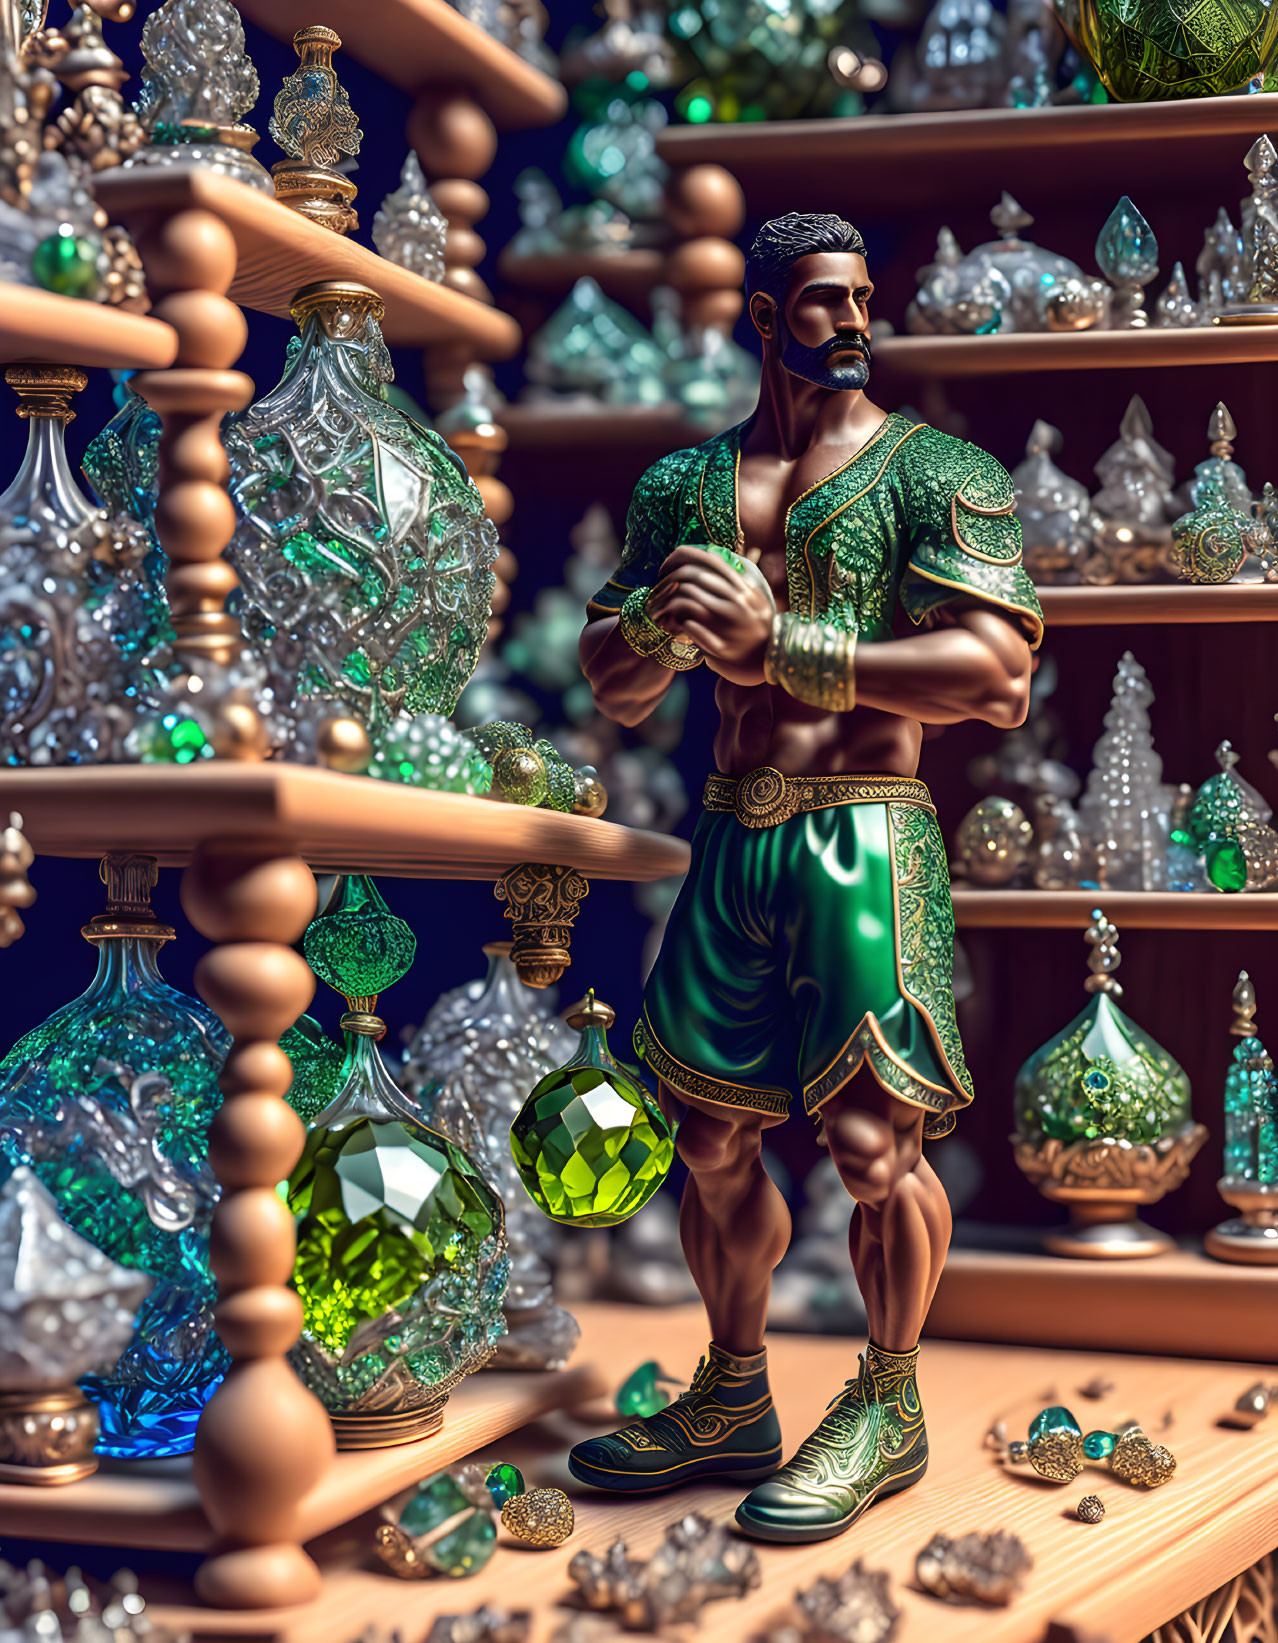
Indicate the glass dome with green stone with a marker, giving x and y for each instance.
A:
(590, 1144)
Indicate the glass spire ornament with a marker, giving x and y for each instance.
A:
(197, 86)
(109, 1101)
(1127, 255)
(1102, 1119)
(315, 125)
(590, 1143)
(66, 1311)
(1054, 510)
(1220, 267)
(78, 610)
(1157, 50)
(401, 1248)
(1211, 542)
(1249, 1182)
(469, 1068)
(1175, 307)
(1125, 810)
(591, 346)
(1134, 507)
(409, 227)
(363, 551)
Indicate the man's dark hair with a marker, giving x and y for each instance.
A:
(780, 243)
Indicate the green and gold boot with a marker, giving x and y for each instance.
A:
(724, 1425)
(871, 1443)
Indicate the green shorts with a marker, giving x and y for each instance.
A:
(799, 950)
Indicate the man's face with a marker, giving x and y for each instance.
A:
(822, 330)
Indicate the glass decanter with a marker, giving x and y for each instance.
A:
(109, 1101)
(401, 1246)
(590, 1143)
(76, 602)
(470, 1066)
(363, 551)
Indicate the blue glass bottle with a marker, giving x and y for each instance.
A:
(109, 1101)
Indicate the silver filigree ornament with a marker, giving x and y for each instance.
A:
(363, 551)
(409, 228)
(197, 86)
(74, 610)
(470, 1067)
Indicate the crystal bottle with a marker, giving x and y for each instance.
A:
(363, 551)
(401, 1248)
(109, 1101)
(590, 1143)
(197, 85)
(1249, 1180)
(469, 1067)
(77, 605)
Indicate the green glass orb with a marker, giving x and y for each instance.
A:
(356, 944)
(68, 264)
(1097, 1445)
(470, 1536)
(590, 1144)
(504, 1483)
(520, 772)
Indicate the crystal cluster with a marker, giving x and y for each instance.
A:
(696, 1563)
(469, 1068)
(1125, 811)
(973, 1568)
(856, 1607)
(37, 1602)
(109, 1102)
(410, 229)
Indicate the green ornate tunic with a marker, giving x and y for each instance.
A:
(915, 518)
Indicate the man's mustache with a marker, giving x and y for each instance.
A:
(847, 345)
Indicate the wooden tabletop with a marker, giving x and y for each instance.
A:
(337, 823)
(43, 328)
(1155, 1553)
(280, 251)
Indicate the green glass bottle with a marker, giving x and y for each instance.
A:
(590, 1143)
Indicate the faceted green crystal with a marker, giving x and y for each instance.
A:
(433, 1502)
(1097, 1445)
(469, 1523)
(1226, 865)
(504, 1483)
(356, 944)
(1126, 248)
(640, 1394)
(1054, 1419)
(590, 1144)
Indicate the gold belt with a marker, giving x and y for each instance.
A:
(765, 797)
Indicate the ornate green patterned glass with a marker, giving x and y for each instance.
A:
(590, 1143)
(1155, 50)
(357, 945)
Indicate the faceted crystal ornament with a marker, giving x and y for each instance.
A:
(410, 229)
(1176, 307)
(1054, 510)
(1154, 50)
(1125, 810)
(1099, 1445)
(109, 1102)
(448, 1526)
(470, 1067)
(1212, 541)
(1101, 1077)
(363, 552)
(356, 944)
(591, 345)
(590, 1143)
(1127, 255)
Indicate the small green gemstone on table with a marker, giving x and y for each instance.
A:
(639, 1394)
(1054, 1419)
(505, 1482)
(1098, 1445)
(434, 1502)
(464, 1550)
(67, 264)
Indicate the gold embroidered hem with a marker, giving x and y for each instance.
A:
(686, 1081)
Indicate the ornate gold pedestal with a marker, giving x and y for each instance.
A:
(1103, 1183)
(1252, 1237)
(317, 192)
(541, 904)
(47, 1437)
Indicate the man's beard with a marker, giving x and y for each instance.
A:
(812, 364)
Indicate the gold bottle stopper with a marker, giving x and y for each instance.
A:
(315, 125)
(591, 1012)
(129, 880)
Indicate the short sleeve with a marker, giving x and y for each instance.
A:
(964, 538)
(652, 530)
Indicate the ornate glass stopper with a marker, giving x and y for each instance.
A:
(1211, 542)
(409, 228)
(401, 1249)
(315, 125)
(1127, 255)
(197, 86)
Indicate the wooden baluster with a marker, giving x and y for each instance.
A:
(263, 1440)
(706, 208)
(480, 444)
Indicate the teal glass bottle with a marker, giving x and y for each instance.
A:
(109, 1101)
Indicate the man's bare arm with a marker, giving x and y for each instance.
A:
(626, 687)
(977, 666)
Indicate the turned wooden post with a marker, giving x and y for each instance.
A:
(264, 1440)
(706, 209)
(480, 444)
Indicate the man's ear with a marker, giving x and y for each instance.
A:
(763, 315)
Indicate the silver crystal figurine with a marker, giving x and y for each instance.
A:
(1054, 510)
(1257, 303)
(409, 227)
(1176, 307)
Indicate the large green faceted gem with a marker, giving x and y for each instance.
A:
(433, 1502)
(590, 1144)
(464, 1550)
(1098, 1445)
(357, 945)
(1154, 50)
(1051, 1420)
(469, 1528)
(1226, 865)
(504, 1483)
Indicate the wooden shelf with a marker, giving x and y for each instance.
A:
(1017, 353)
(1129, 909)
(541, 427)
(280, 251)
(156, 1505)
(1159, 602)
(1179, 1304)
(43, 328)
(879, 165)
(1162, 1550)
(626, 276)
(337, 823)
(418, 43)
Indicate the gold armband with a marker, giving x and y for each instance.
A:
(646, 639)
(815, 662)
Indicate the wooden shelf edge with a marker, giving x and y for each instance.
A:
(1159, 602)
(1129, 909)
(633, 272)
(1181, 1304)
(593, 425)
(40, 327)
(1016, 353)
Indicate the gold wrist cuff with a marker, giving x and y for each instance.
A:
(815, 662)
(654, 644)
